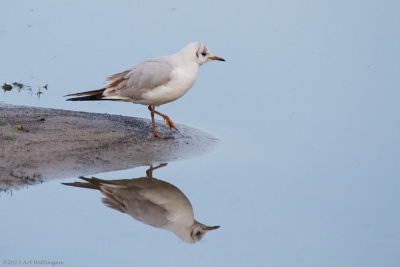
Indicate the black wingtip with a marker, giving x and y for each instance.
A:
(88, 95)
(86, 98)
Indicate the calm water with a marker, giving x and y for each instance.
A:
(306, 108)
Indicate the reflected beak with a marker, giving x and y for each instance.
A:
(208, 228)
(217, 58)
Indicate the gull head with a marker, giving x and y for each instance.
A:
(195, 232)
(199, 53)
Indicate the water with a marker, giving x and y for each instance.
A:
(306, 108)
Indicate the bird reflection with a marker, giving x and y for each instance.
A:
(151, 201)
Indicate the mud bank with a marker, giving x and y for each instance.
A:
(38, 144)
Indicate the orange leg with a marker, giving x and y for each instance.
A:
(168, 121)
(149, 172)
(156, 134)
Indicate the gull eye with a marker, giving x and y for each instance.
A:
(204, 54)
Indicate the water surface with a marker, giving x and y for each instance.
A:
(306, 108)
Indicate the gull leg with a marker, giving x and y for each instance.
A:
(156, 134)
(168, 121)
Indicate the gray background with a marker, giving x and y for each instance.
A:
(306, 108)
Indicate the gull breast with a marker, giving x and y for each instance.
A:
(182, 79)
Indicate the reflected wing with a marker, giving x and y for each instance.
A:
(130, 201)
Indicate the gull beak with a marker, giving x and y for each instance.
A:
(217, 58)
(208, 228)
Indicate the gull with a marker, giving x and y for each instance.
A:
(151, 201)
(155, 82)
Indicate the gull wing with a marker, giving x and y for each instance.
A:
(145, 76)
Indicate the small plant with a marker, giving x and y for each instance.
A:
(9, 136)
(19, 85)
(36, 177)
(7, 87)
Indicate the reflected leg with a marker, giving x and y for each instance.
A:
(149, 172)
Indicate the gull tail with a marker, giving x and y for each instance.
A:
(89, 95)
(92, 183)
(96, 183)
